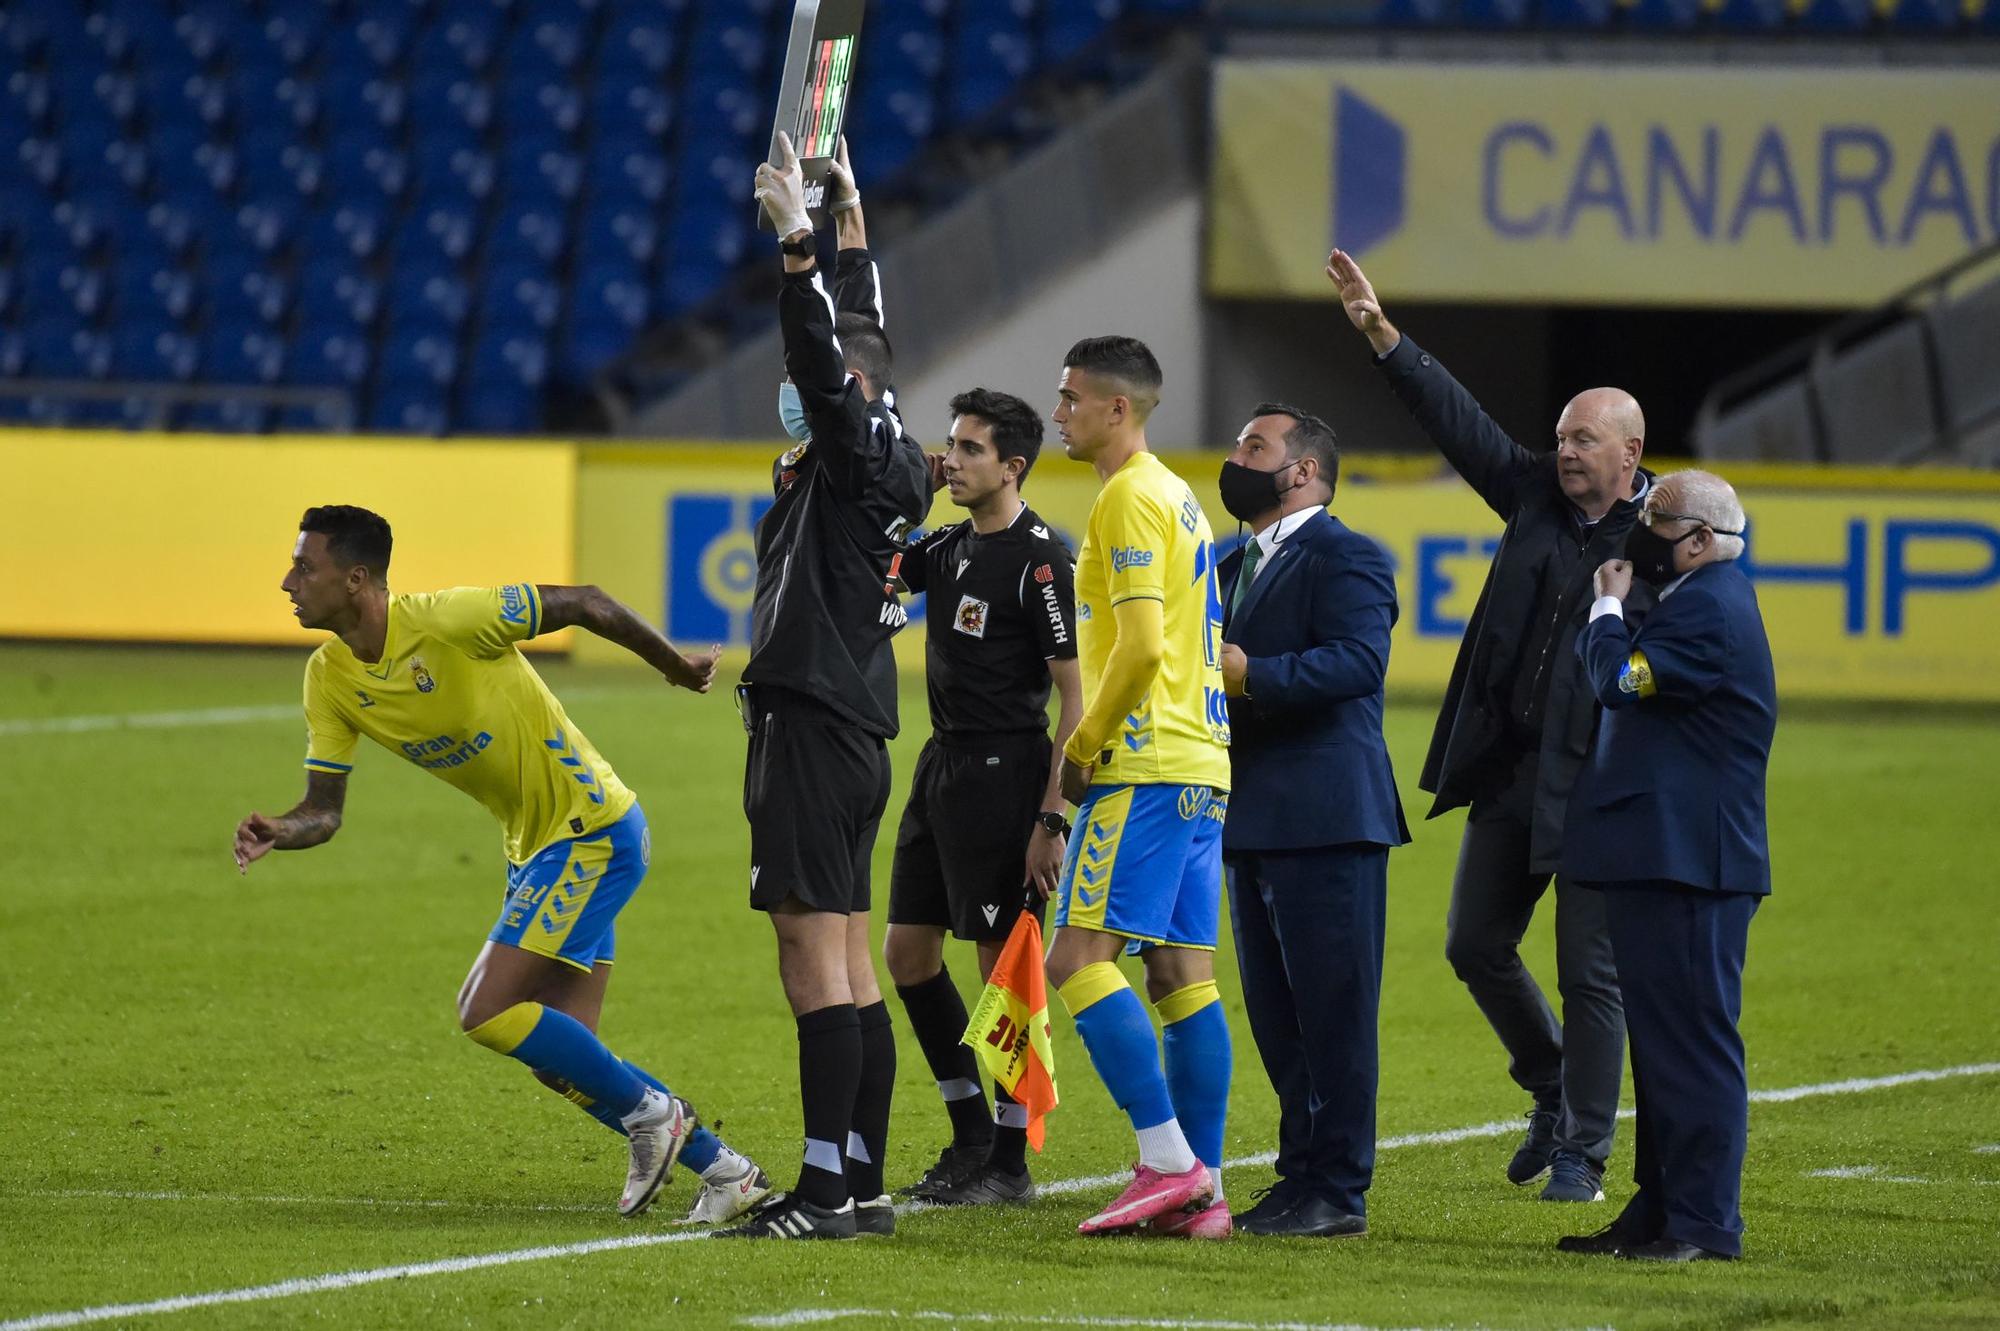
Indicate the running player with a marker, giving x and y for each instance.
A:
(984, 825)
(438, 678)
(1148, 768)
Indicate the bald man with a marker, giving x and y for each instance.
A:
(1515, 729)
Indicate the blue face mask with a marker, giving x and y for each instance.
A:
(793, 413)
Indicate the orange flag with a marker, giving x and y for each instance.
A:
(1009, 1029)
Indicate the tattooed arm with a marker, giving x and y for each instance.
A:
(589, 608)
(314, 820)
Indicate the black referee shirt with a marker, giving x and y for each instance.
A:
(847, 501)
(1002, 606)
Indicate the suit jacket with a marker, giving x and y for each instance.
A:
(1472, 747)
(1308, 766)
(1674, 788)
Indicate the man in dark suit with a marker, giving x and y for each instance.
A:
(1308, 605)
(1513, 733)
(1669, 823)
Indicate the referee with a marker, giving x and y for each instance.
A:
(985, 819)
(819, 701)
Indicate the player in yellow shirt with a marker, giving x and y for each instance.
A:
(1148, 769)
(438, 678)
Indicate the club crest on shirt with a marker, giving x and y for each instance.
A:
(425, 684)
(971, 617)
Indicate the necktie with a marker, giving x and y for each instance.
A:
(1253, 554)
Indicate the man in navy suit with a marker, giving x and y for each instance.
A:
(1308, 605)
(1668, 821)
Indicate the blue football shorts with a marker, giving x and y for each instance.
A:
(561, 903)
(1145, 862)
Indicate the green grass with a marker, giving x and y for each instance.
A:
(280, 1051)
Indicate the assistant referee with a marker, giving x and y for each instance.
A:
(819, 701)
(984, 823)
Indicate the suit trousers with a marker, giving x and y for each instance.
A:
(1309, 927)
(1573, 1066)
(1680, 954)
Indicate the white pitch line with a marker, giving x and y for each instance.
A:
(255, 1199)
(451, 1265)
(816, 1316)
(204, 716)
(338, 1280)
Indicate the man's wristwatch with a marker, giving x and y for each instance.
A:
(805, 247)
(1053, 823)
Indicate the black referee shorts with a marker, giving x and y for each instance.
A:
(814, 789)
(963, 844)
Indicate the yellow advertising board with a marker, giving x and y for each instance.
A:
(184, 538)
(1869, 591)
(1709, 185)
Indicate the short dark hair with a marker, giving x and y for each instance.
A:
(1017, 427)
(1126, 359)
(353, 536)
(1309, 437)
(865, 347)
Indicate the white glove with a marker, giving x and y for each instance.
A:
(841, 192)
(782, 192)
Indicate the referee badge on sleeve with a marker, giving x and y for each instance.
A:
(971, 617)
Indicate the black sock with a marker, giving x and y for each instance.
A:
(829, 1075)
(1010, 1145)
(938, 1017)
(871, 1102)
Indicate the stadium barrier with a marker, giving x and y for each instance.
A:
(1877, 584)
(1730, 186)
(184, 538)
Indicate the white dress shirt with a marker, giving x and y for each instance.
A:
(1273, 536)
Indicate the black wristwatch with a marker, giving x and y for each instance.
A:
(1053, 823)
(805, 247)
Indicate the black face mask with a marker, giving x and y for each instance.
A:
(1651, 554)
(1248, 493)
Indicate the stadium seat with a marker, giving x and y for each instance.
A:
(147, 292)
(154, 352)
(419, 353)
(1501, 14)
(1775, 426)
(328, 356)
(409, 406)
(1924, 16)
(329, 292)
(1967, 330)
(1665, 15)
(1833, 15)
(1875, 399)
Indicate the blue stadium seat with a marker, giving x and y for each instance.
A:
(421, 353)
(636, 44)
(154, 352)
(1925, 16)
(40, 160)
(499, 406)
(611, 294)
(54, 286)
(48, 343)
(174, 224)
(233, 354)
(624, 230)
(88, 223)
(243, 291)
(1071, 28)
(409, 406)
(530, 227)
(231, 416)
(632, 175)
(295, 28)
(328, 292)
(990, 53)
(1836, 16)
(1497, 14)
(447, 96)
(1746, 15)
(629, 112)
(267, 227)
(363, 172)
(13, 353)
(1665, 15)
(356, 230)
(549, 46)
(148, 292)
(519, 299)
(590, 344)
(331, 356)
(445, 229)
(725, 39)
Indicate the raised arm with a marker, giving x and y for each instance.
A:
(310, 822)
(1477, 448)
(591, 609)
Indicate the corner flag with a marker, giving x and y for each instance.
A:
(1009, 1029)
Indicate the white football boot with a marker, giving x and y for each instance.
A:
(658, 1129)
(729, 1187)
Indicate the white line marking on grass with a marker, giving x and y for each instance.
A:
(339, 1280)
(205, 716)
(452, 1265)
(816, 1316)
(1994, 1149)
(1845, 1171)
(392, 1203)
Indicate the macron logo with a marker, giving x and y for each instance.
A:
(753, 877)
(992, 914)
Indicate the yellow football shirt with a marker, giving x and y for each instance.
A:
(453, 694)
(1147, 537)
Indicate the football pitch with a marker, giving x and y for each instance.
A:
(244, 1102)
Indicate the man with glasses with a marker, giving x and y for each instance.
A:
(1669, 825)
(1513, 733)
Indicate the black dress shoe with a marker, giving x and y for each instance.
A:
(1673, 1250)
(1611, 1241)
(1270, 1204)
(1316, 1218)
